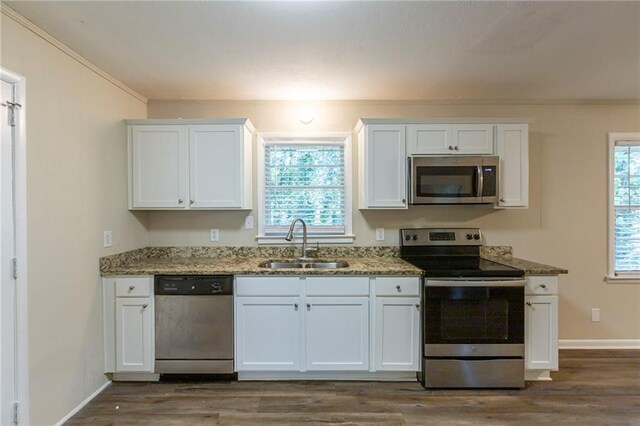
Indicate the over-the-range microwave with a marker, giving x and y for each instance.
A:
(463, 179)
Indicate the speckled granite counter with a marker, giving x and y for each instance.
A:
(530, 268)
(246, 260)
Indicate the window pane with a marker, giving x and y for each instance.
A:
(627, 239)
(621, 191)
(621, 160)
(634, 163)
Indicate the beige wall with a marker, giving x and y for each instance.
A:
(76, 188)
(564, 226)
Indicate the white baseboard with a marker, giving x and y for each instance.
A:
(82, 404)
(599, 344)
(395, 376)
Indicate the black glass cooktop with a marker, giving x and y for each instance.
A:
(464, 267)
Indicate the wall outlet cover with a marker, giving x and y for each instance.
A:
(595, 314)
(379, 234)
(107, 240)
(215, 234)
(248, 222)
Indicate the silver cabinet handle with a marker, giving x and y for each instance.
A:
(450, 148)
(399, 288)
(543, 285)
(528, 303)
(131, 287)
(179, 200)
(404, 200)
(144, 306)
(502, 200)
(417, 306)
(191, 201)
(456, 148)
(308, 306)
(295, 306)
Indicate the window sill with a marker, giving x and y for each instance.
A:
(622, 280)
(312, 239)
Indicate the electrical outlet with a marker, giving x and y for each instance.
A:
(248, 222)
(379, 234)
(595, 315)
(215, 234)
(107, 241)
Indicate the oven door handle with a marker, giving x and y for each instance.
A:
(479, 181)
(475, 283)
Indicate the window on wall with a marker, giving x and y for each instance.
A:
(624, 207)
(308, 178)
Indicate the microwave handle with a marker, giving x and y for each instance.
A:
(409, 183)
(479, 181)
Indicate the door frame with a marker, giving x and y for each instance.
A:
(20, 173)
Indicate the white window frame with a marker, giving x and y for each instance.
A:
(612, 277)
(343, 138)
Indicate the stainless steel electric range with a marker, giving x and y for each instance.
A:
(473, 311)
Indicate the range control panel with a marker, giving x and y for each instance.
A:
(441, 237)
(193, 285)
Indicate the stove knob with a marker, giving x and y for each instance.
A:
(476, 237)
(407, 237)
(215, 286)
(469, 236)
(415, 237)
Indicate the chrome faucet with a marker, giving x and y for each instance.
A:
(289, 237)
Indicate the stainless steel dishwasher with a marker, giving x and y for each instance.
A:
(194, 324)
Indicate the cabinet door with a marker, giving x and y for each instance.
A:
(134, 334)
(215, 166)
(512, 145)
(397, 334)
(158, 166)
(541, 333)
(337, 333)
(268, 333)
(430, 139)
(386, 169)
(473, 138)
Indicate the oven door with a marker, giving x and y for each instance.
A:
(453, 180)
(474, 318)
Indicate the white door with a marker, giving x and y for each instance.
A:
(268, 333)
(397, 335)
(8, 379)
(473, 138)
(159, 166)
(512, 145)
(386, 161)
(215, 166)
(541, 333)
(337, 333)
(134, 334)
(430, 139)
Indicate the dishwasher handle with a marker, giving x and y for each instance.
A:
(193, 285)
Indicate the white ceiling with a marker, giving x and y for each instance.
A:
(356, 50)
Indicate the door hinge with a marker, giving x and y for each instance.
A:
(12, 111)
(15, 413)
(14, 268)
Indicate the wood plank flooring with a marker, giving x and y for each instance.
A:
(592, 388)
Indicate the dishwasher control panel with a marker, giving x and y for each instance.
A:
(185, 285)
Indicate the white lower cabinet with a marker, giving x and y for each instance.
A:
(134, 334)
(541, 325)
(129, 333)
(268, 333)
(397, 334)
(337, 333)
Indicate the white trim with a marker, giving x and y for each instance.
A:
(82, 404)
(18, 18)
(394, 376)
(537, 375)
(342, 138)
(20, 171)
(599, 344)
(611, 277)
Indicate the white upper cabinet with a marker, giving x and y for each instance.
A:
(512, 146)
(159, 162)
(382, 167)
(450, 139)
(190, 164)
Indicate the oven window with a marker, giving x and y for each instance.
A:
(474, 320)
(447, 182)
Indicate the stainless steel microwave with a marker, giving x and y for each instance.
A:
(461, 179)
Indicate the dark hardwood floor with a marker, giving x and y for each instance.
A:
(592, 388)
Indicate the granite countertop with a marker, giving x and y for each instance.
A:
(246, 260)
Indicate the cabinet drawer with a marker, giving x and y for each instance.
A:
(134, 287)
(337, 286)
(397, 286)
(268, 286)
(542, 285)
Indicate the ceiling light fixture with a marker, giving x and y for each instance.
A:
(306, 114)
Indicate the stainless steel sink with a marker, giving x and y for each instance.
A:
(293, 264)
